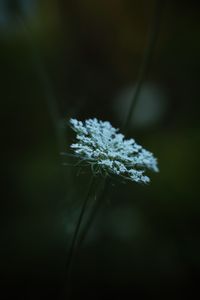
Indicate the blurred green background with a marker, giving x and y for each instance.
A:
(70, 58)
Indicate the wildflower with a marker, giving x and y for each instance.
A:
(101, 146)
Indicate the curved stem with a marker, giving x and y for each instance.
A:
(73, 248)
(76, 241)
(94, 211)
(46, 85)
(153, 34)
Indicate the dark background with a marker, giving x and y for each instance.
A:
(62, 59)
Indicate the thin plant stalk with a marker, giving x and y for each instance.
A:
(152, 38)
(78, 225)
(94, 211)
(73, 247)
(46, 85)
(76, 242)
(153, 34)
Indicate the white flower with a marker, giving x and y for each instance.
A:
(101, 146)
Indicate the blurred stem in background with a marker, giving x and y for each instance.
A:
(153, 34)
(47, 87)
(148, 52)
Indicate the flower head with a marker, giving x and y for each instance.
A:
(100, 145)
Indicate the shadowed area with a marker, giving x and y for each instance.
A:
(81, 59)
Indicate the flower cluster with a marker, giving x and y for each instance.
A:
(100, 145)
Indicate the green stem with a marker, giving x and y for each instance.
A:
(73, 247)
(94, 211)
(46, 85)
(144, 67)
(153, 34)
